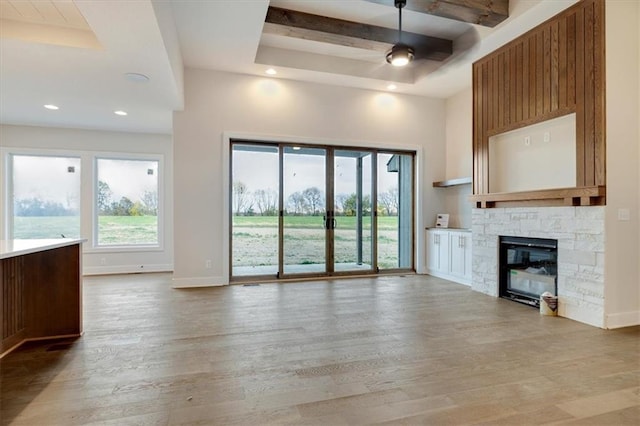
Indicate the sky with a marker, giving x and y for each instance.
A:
(128, 178)
(48, 179)
(259, 170)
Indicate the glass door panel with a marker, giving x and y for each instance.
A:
(254, 210)
(353, 192)
(304, 221)
(319, 210)
(395, 211)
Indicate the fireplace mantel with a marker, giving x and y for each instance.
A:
(582, 196)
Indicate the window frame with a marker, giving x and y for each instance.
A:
(106, 248)
(7, 189)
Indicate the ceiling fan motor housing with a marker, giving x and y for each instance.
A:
(400, 54)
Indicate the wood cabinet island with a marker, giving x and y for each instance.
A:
(41, 290)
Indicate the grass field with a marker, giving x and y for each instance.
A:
(111, 229)
(255, 240)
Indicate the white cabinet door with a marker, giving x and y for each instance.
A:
(460, 255)
(437, 251)
(449, 255)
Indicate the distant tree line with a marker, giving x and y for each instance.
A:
(146, 206)
(310, 202)
(37, 207)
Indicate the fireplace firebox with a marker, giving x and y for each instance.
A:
(528, 268)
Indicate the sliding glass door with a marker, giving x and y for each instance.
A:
(353, 238)
(305, 210)
(304, 230)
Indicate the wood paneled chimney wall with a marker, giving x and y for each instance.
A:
(555, 69)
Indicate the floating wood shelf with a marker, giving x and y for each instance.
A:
(579, 196)
(452, 182)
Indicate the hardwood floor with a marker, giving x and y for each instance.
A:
(395, 350)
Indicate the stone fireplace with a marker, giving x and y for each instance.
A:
(580, 235)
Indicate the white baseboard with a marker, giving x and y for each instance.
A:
(581, 314)
(125, 269)
(623, 319)
(448, 277)
(198, 282)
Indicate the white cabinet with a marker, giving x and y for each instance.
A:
(449, 254)
(437, 251)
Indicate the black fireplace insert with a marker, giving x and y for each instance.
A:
(528, 268)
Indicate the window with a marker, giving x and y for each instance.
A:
(45, 197)
(126, 202)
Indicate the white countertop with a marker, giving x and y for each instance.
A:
(13, 248)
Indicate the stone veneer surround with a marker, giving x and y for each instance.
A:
(581, 238)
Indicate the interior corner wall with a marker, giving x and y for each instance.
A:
(459, 152)
(65, 141)
(622, 275)
(218, 103)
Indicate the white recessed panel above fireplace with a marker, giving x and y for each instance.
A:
(540, 156)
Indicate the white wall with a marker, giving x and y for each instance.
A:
(59, 141)
(219, 103)
(523, 160)
(459, 134)
(459, 128)
(622, 277)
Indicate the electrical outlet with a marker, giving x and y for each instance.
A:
(103, 261)
(527, 140)
(207, 264)
(546, 137)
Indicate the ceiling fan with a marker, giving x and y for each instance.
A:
(400, 54)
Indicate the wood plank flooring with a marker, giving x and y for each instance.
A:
(388, 350)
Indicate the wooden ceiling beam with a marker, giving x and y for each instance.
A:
(487, 13)
(306, 26)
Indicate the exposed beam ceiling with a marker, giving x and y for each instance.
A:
(488, 13)
(306, 26)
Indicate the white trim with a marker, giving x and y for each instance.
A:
(418, 216)
(622, 319)
(126, 269)
(199, 282)
(226, 227)
(580, 313)
(7, 174)
(452, 278)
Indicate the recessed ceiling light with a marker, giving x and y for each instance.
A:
(271, 71)
(136, 77)
(51, 107)
(120, 112)
(392, 87)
